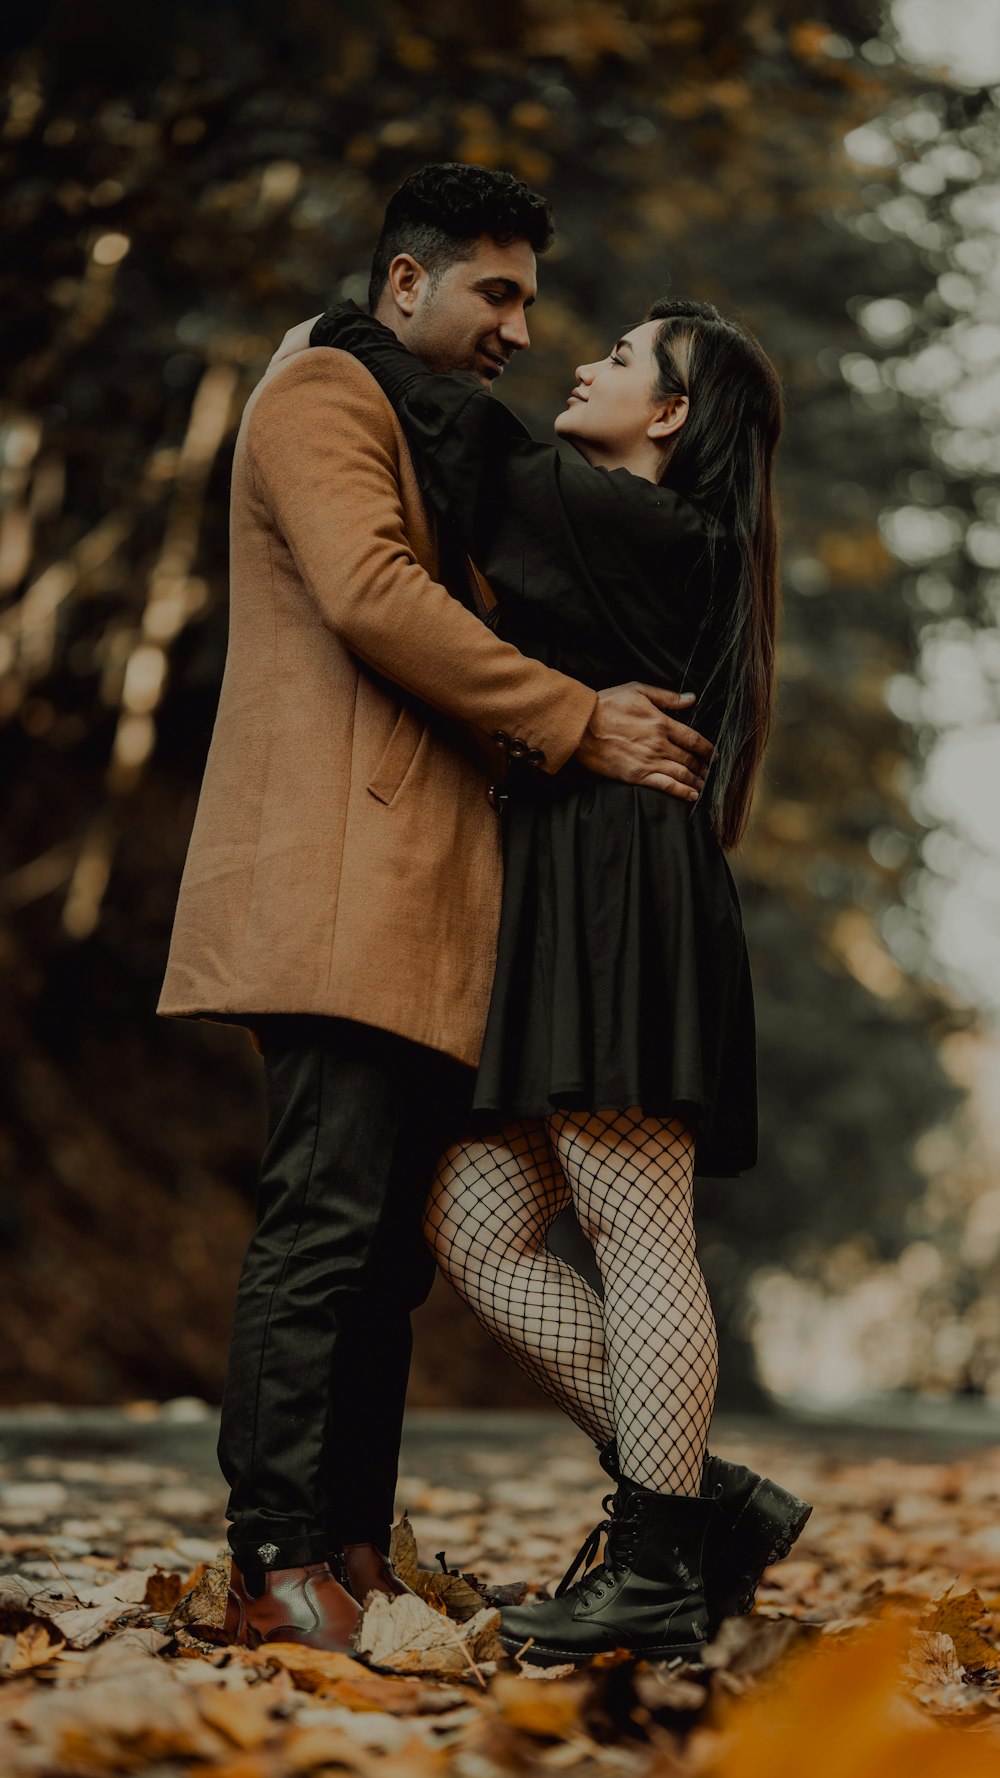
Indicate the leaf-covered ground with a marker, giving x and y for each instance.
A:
(874, 1649)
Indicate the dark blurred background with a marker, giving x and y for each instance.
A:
(180, 185)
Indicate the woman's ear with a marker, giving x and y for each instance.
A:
(406, 277)
(670, 418)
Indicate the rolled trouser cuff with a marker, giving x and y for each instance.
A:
(277, 1547)
(376, 1531)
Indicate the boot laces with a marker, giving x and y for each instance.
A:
(619, 1532)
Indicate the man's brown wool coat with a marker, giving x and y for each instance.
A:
(345, 859)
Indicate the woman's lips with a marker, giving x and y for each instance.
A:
(574, 395)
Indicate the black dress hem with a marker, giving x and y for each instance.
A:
(489, 1117)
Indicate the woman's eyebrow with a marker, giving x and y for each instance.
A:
(619, 344)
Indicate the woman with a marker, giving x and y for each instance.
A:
(619, 1054)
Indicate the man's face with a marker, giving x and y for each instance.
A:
(473, 316)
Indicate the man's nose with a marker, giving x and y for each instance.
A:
(514, 331)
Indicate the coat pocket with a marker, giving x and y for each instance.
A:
(387, 778)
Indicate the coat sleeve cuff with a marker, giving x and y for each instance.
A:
(567, 732)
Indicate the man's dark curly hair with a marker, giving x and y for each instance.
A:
(439, 213)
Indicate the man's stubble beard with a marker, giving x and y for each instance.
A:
(439, 357)
(430, 350)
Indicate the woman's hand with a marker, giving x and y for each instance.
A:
(295, 340)
(632, 737)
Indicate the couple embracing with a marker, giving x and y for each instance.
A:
(462, 873)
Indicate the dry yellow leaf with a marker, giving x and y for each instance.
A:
(957, 1617)
(403, 1551)
(163, 1589)
(407, 1636)
(244, 1716)
(322, 1748)
(551, 1710)
(33, 1646)
(446, 1592)
(341, 1680)
(840, 1711)
(134, 1718)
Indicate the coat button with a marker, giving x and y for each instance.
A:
(518, 749)
(501, 738)
(496, 797)
(536, 757)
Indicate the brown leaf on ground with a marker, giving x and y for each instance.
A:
(551, 1712)
(203, 1603)
(407, 1636)
(246, 1717)
(125, 1586)
(28, 1637)
(33, 1646)
(934, 1672)
(163, 1590)
(340, 1679)
(133, 1639)
(119, 1719)
(403, 1551)
(513, 1592)
(83, 1627)
(202, 1643)
(328, 1750)
(451, 1593)
(285, 1709)
(956, 1616)
(126, 1652)
(104, 1606)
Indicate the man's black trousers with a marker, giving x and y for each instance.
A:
(312, 1406)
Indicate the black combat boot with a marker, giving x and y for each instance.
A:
(646, 1595)
(756, 1524)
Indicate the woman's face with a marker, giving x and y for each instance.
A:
(612, 413)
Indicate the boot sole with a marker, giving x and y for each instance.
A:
(765, 1532)
(556, 1657)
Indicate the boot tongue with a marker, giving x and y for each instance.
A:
(623, 1528)
(624, 1532)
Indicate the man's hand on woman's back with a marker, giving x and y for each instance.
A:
(632, 737)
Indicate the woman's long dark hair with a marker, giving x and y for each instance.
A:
(722, 461)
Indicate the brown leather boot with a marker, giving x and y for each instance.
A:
(363, 1569)
(297, 1605)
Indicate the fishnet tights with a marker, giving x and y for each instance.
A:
(642, 1366)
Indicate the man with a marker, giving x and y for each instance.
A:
(341, 892)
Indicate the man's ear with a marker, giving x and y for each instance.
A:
(670, 419)
(405, 281)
